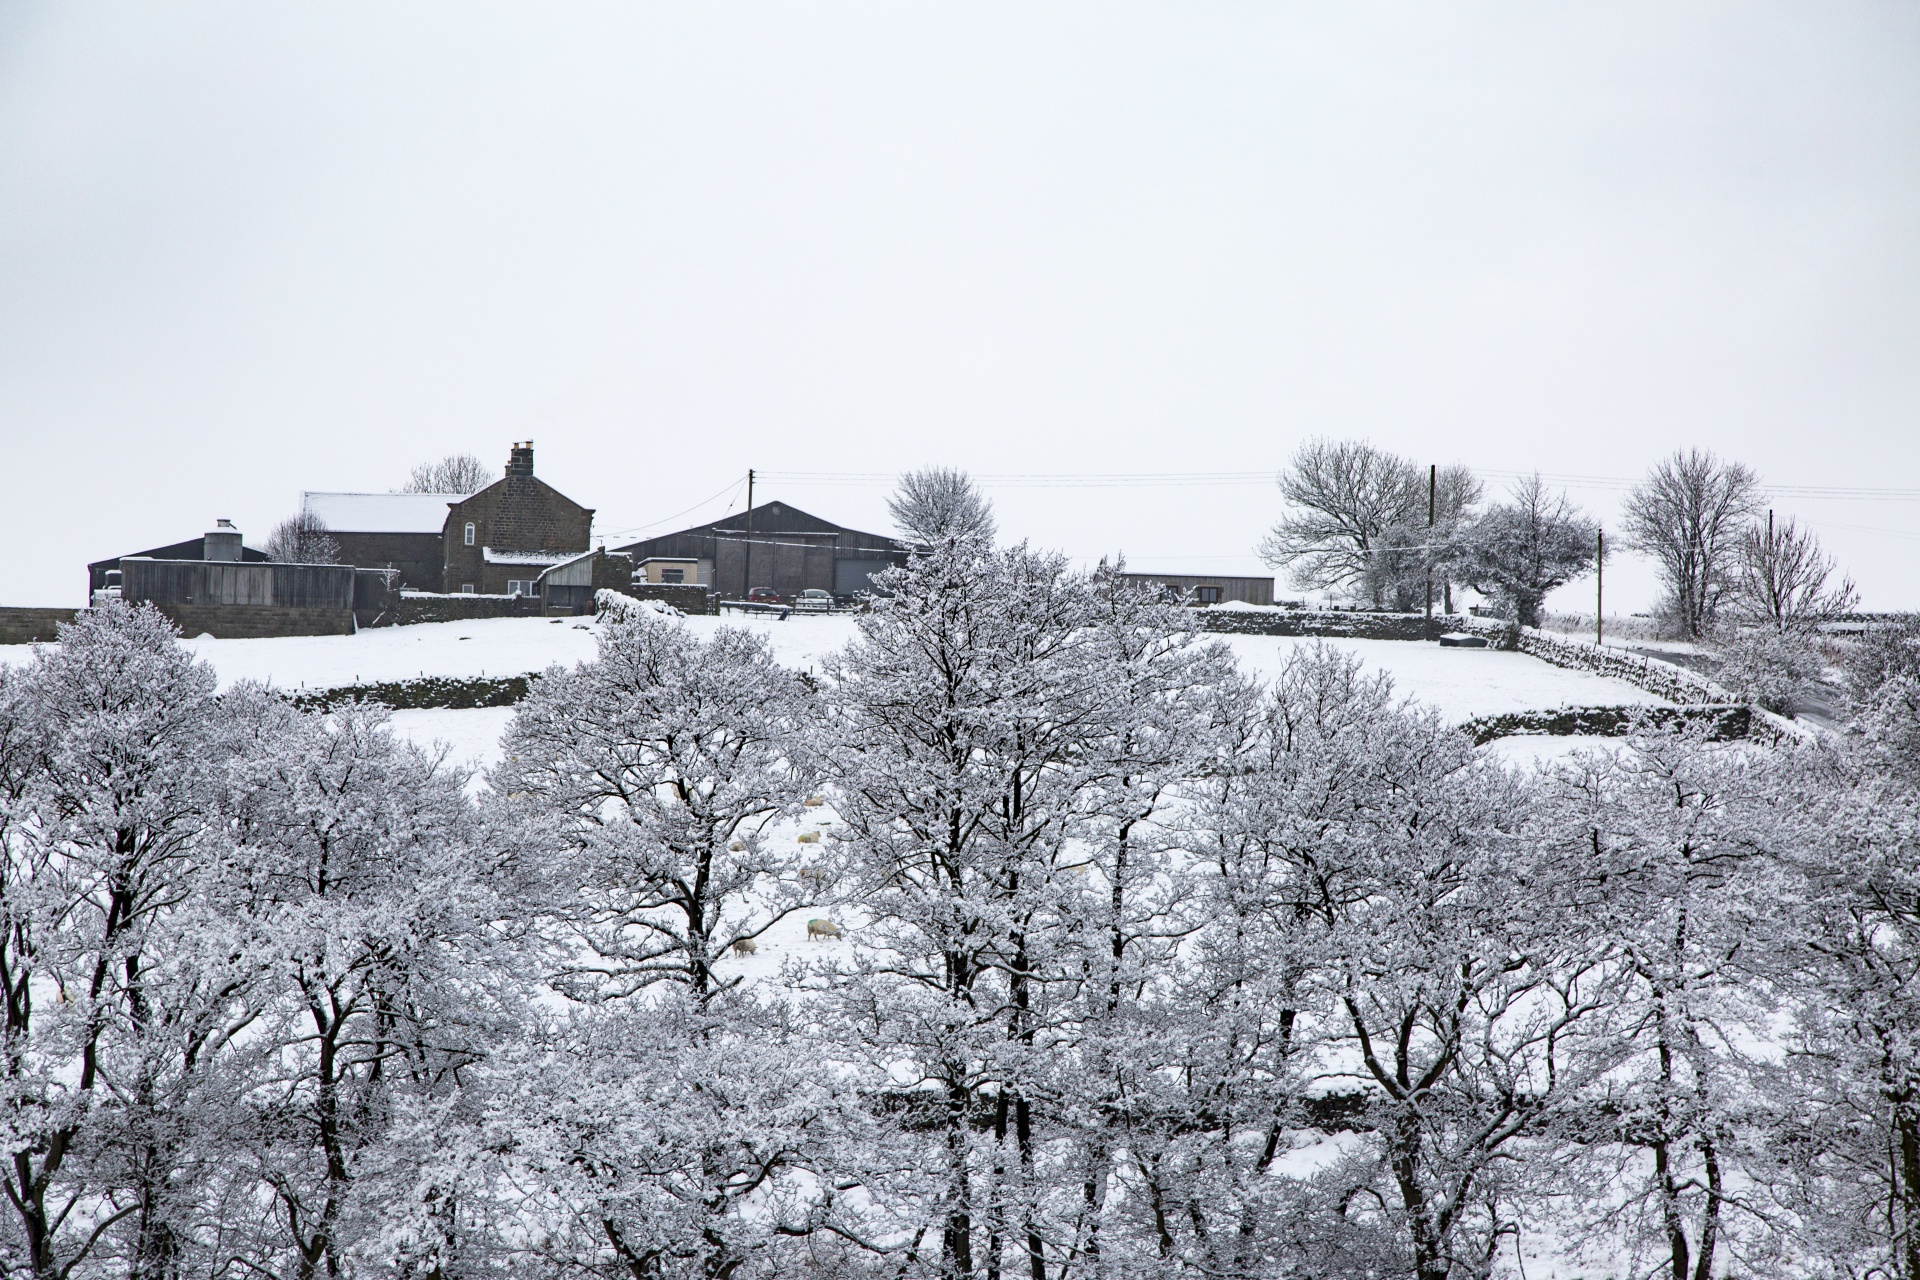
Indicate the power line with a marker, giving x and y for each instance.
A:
(733, 488)
(1181, 479)
(1864, 528)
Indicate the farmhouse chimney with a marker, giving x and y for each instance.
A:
(222, 542)
(520, 461)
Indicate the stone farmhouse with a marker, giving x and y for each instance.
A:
(494, 542)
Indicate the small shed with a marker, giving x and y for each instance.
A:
(1205, 588)
(668, 571)
(569, 587)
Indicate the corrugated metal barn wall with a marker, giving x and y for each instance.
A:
(286, 586)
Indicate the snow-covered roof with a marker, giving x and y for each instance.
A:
(494, 555)
(380, 512)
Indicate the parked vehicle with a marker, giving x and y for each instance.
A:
(814, 600)
(110, 591)
(764, 595)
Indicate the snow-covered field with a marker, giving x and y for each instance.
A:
(1460, 683)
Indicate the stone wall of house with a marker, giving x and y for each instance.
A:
(419, 557)
(33, 626)
(517, 513)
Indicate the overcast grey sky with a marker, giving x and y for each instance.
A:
(248, 249)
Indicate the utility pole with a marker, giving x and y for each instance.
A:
(1599, 583)
(1433, 476)
(746, 568)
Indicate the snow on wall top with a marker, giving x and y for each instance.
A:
(495, 555)
(380, 512)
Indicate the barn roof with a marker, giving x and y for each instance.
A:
(769, 519)
(191, 549)
(380, 512)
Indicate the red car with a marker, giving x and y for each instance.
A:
(764, 595)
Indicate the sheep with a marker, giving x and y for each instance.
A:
(745, 946)
(814, 802)
(738, 846)
(816, 874)
(817, 929)
(809, 837)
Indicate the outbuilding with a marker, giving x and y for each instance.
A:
(775, 546)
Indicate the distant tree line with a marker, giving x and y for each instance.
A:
(1376, 528)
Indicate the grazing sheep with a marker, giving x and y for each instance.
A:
(745, 946)
(738, 846)
(814, 802)
(822, 929)
(816, 874)
(809, 837)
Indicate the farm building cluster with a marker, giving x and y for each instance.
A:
(516, 548)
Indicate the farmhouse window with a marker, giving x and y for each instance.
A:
(469, 533)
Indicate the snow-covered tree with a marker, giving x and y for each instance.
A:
(1847, 1142)
(667, 1140)
(652, 777)
(1690, 515)
(107, 747)
(994, 739)
(1786, 583)
(1768, 667)
(1674, 841)
(1344, 498)
(354, 880)
(1449, 981)
(1518, 551)
(938, 504)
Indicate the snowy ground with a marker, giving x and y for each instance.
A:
(1528, 750)
(1460, 683)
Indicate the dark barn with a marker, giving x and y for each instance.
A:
(221, 592)
(791, 551)
(194, 549)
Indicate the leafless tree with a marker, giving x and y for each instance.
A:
(937, 504)
(302, 539)
(1520, 550)
(1786, 581)
(1690, 515)
(1345, 497)
(455, 473)
(1420, 556)
(1456, 492)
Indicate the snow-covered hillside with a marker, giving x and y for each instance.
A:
(1460, 683)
